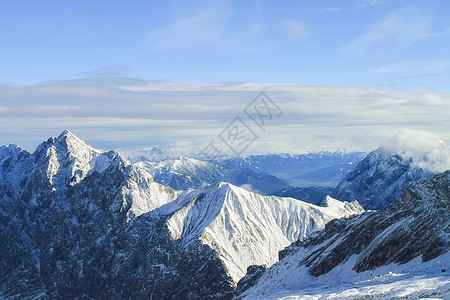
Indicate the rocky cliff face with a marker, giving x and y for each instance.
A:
(378, 180)
(417, 226)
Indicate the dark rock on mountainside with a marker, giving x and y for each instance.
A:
(378, 180)
(418, 225)
(253, 275)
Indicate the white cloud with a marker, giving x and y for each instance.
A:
(367, 3)
(425, 149)
(206, 26)
(126, 113)
(295, 29)
(211, 25)
(217, 25)
(333, 9)
(249, 187)
(401, 28)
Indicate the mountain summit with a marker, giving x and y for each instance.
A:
(379, 180)
(246, 228)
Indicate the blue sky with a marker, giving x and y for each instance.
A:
(69, 58)
(385, 44)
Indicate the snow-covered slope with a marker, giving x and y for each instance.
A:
(375, 252)
(413, 280)
(379, 180)
(246, 228)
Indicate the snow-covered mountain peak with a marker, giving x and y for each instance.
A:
(68, 156)
(329, 201)
(66, 161)
(64, 133)
(73, 144)
(245, 228)
(70, 159)
(225, 185)
(379, 179)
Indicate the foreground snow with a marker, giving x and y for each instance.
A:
(412, 280)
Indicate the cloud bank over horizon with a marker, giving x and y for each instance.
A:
(425, 149)
(126, 113)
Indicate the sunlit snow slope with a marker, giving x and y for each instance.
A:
(246, 228)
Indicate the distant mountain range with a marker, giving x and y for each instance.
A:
(302, 170)
(185, 172)
(375, 181)
(265, 174)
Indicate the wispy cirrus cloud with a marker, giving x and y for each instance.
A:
(214, 25)
(204, 27)
(333, 9)
(415, 66)
(401, 28)
(368, 3)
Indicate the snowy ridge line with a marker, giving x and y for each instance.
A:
(245, 228)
